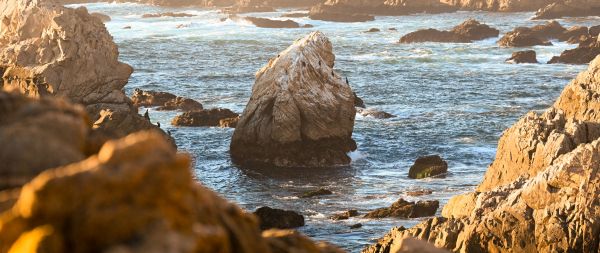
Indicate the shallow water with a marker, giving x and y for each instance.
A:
(450, 99)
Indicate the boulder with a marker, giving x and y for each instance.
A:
(203, 118)
(428, 166)
(345, 215)
(164, 100)
(301, 113)
(270, 23)
(319, 192)
(355, 226)
(527, 56)
(539, 194)
(570, 8)
(405, 209)
(136, 195)
(498, 5)
(168, 14)
(278, 218)
(50, 50)
(374, 113)
(465, 32)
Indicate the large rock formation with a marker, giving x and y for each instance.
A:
(466, 32)
(136, 195)
(361, 10)
(541, 192)
(533, 36)
(49, 50)
(301, 113)
(587, 50)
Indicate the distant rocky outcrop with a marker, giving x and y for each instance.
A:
(271, 23)
(540, 193)
(136, 195)
(569, 8)
(534, 36)
(405, 209)
(499, 5)
(360, 11)
(49, 50)
(587, 50)
(164, 100)
(278, 218)
(168, 14)
(301, 113)
(527, 56)
(466, 32)
(204, 118)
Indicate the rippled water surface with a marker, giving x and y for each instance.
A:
(450, 99)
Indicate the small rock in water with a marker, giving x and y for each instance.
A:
(355, 226)
(278, 218)
(405, 209)
(127, 27)
(371, 112)
(373, 30)
(419, 193)
(393, 29)
(319, 192)
(345, 215)
(527, 56)
(428, 166)
(206, 118)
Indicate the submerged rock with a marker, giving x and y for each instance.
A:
(405, 209)
(466, 32)
(270, 23)
(137, 189)
(527, 56)
(319, 192)
(355, 226)
(428, 166)
(539, 194)
(203, 118)
(277, 218)
(374, 113)
(345, 215)
(168, 14)
(301, 113)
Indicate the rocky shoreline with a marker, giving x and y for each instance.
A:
(82, 162)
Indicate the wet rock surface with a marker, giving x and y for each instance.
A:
(406, 209)
(527, 56)
(278, 218)
(428, 166)
(203, 118)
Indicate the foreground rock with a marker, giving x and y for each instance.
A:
(204, 118)
(405, 209)
(428, 166)
(153, 200)
(583, 54)
(277, 218)
(49, 50)
(539, 194)
(360, 11)
(164, 100)
(466, 32)
(38, 134)
(527, 56)
(301, 113)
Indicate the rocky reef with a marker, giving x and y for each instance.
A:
(541, 192)
(363, 10)
(50, 50)
(466, 32)
(569, 8)
(538, 35)
(301, 113)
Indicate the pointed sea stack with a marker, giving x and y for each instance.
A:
(297, 116)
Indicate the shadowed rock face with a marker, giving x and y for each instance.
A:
(136, 195)
(301, 113)
(49, 50)
(466, 32)
(541, 192)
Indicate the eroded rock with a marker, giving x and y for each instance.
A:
(466, 32)
(405, 209)
(301, 113)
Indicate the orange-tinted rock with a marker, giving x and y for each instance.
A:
(405, 209)
(203, 118)
(465, 32)
(278, 218)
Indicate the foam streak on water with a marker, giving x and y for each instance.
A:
(450, 99)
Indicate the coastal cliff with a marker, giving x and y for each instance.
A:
(540, 193)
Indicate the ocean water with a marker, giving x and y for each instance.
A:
(450, 99)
